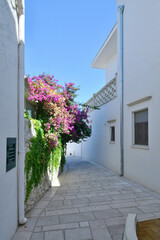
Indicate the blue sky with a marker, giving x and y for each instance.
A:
(63, 37)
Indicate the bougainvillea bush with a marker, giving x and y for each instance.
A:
(56, 108)
(61, 120)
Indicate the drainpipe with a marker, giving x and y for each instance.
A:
(21, 152)
(121, 10)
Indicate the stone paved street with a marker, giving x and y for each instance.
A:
(92, 203)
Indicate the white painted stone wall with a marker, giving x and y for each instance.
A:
(8, 115)
(141, 79)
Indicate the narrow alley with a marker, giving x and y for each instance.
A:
(92, 203)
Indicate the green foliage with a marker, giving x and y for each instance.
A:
(39, 158)
(63, 160)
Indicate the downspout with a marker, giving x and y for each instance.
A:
(21, 152)
(121, 10)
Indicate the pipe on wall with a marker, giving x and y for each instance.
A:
(21, 148)
(121, 10)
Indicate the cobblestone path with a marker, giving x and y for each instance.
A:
(92, 203)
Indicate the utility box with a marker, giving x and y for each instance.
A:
(11, 154)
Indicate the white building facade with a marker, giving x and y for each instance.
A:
(126, 140)
(12, 113)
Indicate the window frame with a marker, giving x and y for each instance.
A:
(134, 144)
(114, 136)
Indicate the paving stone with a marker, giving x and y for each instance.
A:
(22, 235)
(124, 204)
(123, 196)
(97, 224)
(101, 234)
(94, 208)
(37, 229)
(84, 224)
(100, 199)
(35, 212)
(150, 209)
(78, 234)
(61, 212)
(107, 213)
(126, 211)
(28, 226)
(116, 230)
(115, 221)
(37, 236)
(79, 217)
(54, 203)
(54, 235)
(41, 204)
(60, 226)
(148, 202)
(43, 221)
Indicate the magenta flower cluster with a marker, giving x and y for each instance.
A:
(56, 108)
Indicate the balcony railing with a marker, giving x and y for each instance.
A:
(104, 95)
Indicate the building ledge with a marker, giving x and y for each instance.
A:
(139, 101)
(140, 147)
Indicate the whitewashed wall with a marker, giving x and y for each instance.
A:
(8, 115)
(142, 79)
(98, 148)
(111, 68)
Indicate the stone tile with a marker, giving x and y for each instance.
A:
(101, 234)
(84, 224)
(80, 201)
(117, 237)
(97, 224)
(70, 197)
(123, 196)
(60, 226)
(54, 235)
(43, 221)
(148, 202)
(124, 204)
(67, 202)
(28, 226)
(37, 229)
(100, 199)
(79, 217)
(150, 209)
(22, 235)
(35, 212)
(62, 212)
(78, 234)
(145, 216)
(37, 236)
(94, 208)
(115, 221)
(41, 204)
(55, 203)
(116, 230)
(107, 213)
(126, 211)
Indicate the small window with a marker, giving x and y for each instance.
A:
(112, 134)
(141, 127)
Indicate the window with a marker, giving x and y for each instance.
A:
(141, 127)
(112, 134)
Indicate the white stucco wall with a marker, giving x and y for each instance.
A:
(141, 79)
(8, 116)
(74, 149)
(111, 68)
(98, 147)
